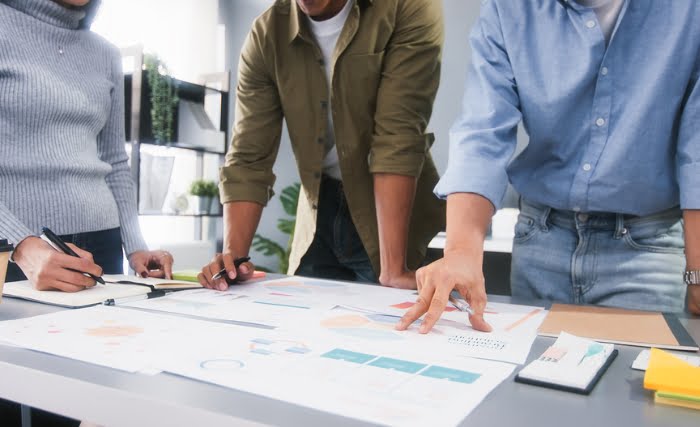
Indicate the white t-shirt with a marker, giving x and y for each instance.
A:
(607, 12)
(326, 34)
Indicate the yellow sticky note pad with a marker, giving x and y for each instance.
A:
(668, 373)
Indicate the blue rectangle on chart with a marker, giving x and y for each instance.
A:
(260, 351)
(454, 375)
(398, 365)
(348, 356)
(298, 350)
(261, 341)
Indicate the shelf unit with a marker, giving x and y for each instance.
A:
(139, 131)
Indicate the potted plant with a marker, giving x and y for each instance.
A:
(205, 191)
(164, 99)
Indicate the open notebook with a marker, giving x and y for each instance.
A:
(117, 287)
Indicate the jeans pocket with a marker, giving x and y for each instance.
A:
(659, 237)
(525, 228)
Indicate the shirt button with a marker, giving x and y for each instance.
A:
(60, 50)
(320, 140)
(587, 167)
(600, 121)
(590, 24)
(314, 206)
(324, 104)
(604, 71)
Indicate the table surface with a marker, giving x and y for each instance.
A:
(114, 398)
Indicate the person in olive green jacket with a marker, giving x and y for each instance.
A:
(355, 81)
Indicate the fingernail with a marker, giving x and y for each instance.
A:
(222, 287)
(423, 329)
(144, 274)
(245, 269)
(231, 275)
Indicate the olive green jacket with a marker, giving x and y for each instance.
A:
(385, 75)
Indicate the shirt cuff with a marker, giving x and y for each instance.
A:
(469, 179)
(399, 154)
(242, 192)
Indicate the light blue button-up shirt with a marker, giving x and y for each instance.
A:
(612, 128)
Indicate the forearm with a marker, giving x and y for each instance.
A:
(241, 219)
(393, 195)
(691, 219)
(468, 218)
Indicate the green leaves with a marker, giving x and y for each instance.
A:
(204, 188)
(164, 98)
(289, 199)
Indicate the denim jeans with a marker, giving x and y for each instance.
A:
(599, 258)
(105, 246)
(337, 251)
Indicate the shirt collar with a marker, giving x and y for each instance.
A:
(296, 27)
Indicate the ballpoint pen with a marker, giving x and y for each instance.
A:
(460, 304)
(60, 245)
(236, 262)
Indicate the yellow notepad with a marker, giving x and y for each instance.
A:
(670, 374)
(675, 399)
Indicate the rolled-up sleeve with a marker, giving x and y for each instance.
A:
(247, 173)
(484, 137)
(407, 89)
(688, 155)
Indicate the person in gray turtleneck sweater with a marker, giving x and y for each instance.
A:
(63, 163)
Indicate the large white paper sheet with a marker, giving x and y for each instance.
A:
(387, 387)
(123, 339)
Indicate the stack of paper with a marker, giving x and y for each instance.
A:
(675, 381)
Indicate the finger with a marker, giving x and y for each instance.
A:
(157, 273)
(80, 264)
(418, 309)
(229, 265)
(204, 280)
(81, 253)
(140, 269)
(246, 271)
(168, 261)
(212, 270)
(65, 286)
(74, 278)
(437, 306)
(476, 297)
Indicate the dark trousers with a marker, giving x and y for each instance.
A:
(106, 248)
(337, 251)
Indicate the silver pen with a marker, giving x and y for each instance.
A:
(461, 304)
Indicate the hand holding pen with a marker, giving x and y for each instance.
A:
(225, 270)
(50, 269)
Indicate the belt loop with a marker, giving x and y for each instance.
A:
(620, 229)
(544, 217)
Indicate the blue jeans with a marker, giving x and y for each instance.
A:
(104, 245)
(337, 251)
(599, 258)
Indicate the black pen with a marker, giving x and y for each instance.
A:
(61, 246)
(236, 263)
(153, 294)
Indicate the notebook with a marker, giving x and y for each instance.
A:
(571, 364)
(620, 326)
(670, 374)
(117, 287)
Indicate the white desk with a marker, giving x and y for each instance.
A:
(114, 398)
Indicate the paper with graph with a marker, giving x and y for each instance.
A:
(390, 387)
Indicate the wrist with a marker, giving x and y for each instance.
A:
(21, 247)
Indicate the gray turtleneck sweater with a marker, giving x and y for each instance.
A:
(63, 163)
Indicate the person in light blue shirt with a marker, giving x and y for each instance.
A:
(609, 94)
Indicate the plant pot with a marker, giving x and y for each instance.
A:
(203, 205)
(215, 208)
